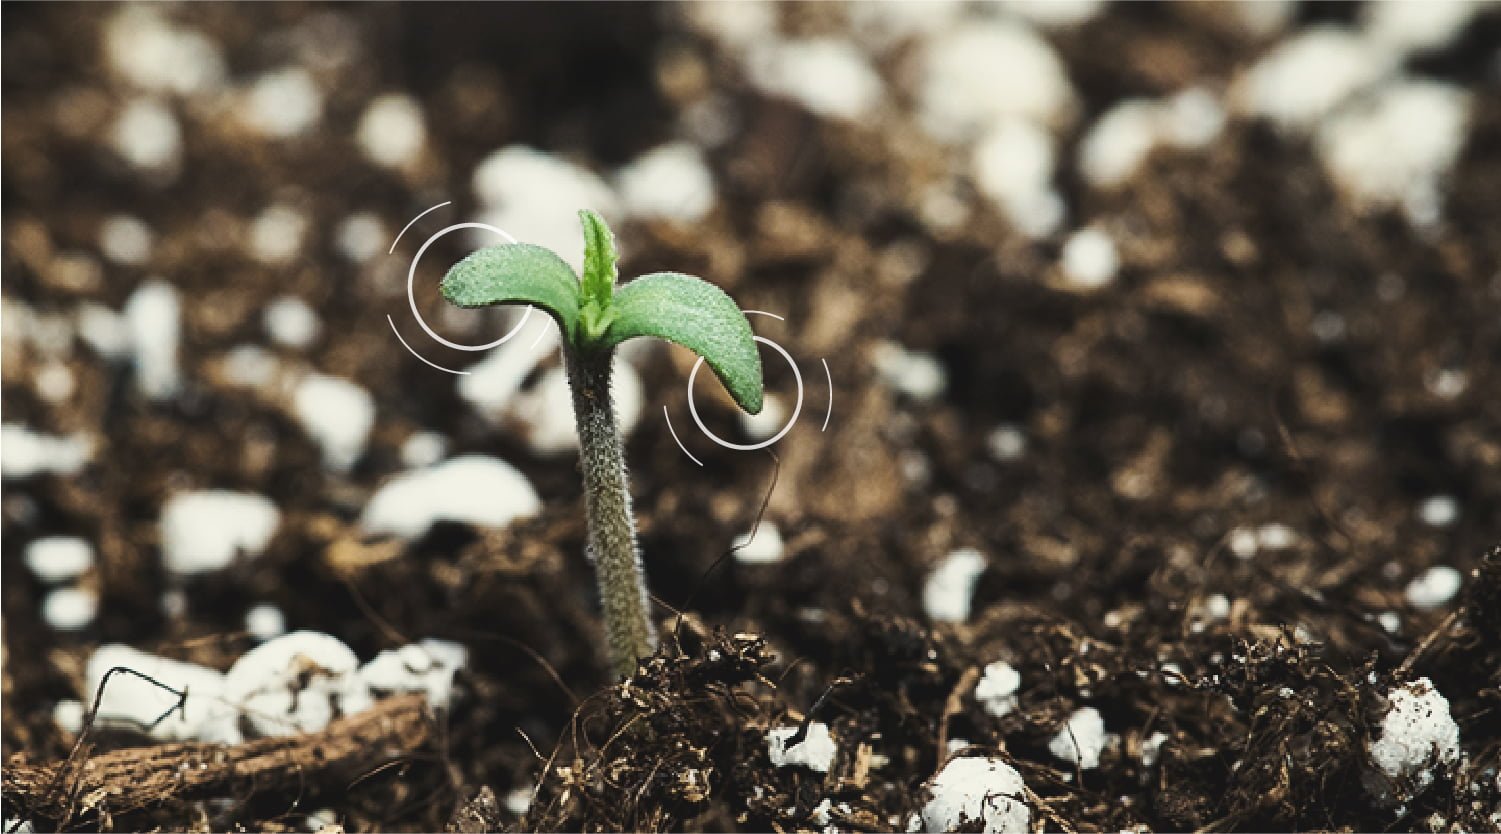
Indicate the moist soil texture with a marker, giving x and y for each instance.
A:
(1199, 491)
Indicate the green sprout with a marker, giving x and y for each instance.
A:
(593, 318)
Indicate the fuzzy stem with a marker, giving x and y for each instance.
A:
(607, 505)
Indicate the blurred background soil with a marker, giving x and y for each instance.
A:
(1207, 477)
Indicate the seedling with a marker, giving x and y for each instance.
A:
(594, 318)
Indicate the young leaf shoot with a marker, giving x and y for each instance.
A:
(594, 318)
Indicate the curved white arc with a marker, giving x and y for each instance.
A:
(412, 222)
(415, 353)
(668, 418)
(412, 297)
(540, 333)
(830, 412)
(749, 447)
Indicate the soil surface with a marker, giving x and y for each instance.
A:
(1267, 358)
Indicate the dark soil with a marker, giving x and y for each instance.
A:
(1189, 399)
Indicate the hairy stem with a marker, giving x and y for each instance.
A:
(607, 505)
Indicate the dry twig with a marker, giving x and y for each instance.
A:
(122, 781)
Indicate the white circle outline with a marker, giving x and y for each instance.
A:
(692, 409)
(412, 298)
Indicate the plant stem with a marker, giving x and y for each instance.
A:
(607, 505)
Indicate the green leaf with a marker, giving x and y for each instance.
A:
(599, 259)
(517, 273)
(699, 316)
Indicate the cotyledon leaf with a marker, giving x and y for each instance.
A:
(516, 273)
(699, 316)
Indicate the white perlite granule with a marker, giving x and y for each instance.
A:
(469, 489)
(914, 373)
(249, 366)
(1151, 748)
(1246, 542)
(884, 25)
(762, 546)
(1054, 14)
(1089, 259)
(391, 131)
(27, 453)
(428, 667)
(735, 25)
(296, 683)
(68, 714)
(1439, 511)
(773, 417)
(265, 622)
(423, 448)
(815, 752)
(1013, 166)
(147, 135)
(70, 609)
(977, 74)
(1417, 737)
(204, 531)
(1395, 147)
(337, 414)
(997, 688)
(283, 103)
(1120, 140)
(361, 237)
(291, 322)
(125, 240)
(57, 559)
(671, 182)
(155, 53)
(276, 235)
(1081, 740)
(1417, 25)
(831, 78)
(131, 701)
(1006, 442)
(153, 316)
(973, 788)
(535, 196)
(947, 595)
(103, 330)
(1434, 587)
(1306, 76)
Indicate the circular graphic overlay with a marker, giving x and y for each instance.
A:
(749, 447)
(412, 298)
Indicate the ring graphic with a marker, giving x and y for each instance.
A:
(791, 421)
(412, 296)
(749, 447)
